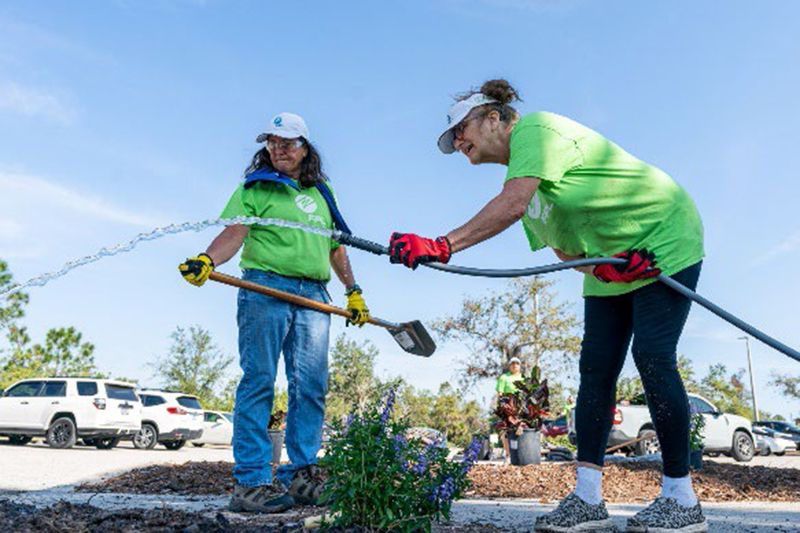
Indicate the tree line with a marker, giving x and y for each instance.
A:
(525, 319)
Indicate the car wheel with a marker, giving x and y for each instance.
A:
(780, 454)
(62, 433)
(107, 443)
(19, 440)
(146, 438)
(174, 444)
(647, 446)
(743, 448)
(198, 444)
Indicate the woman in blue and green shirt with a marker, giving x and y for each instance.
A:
(583, 196)
(284, 181)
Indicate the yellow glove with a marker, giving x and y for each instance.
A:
(196, 269)
(357, 306)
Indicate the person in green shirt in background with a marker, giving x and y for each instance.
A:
(506, 384)
(580, 194)
(284, 181)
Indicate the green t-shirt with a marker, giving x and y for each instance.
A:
(505, 383)
(595, 199)
(285, 251)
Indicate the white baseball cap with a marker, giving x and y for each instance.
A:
(457, 113)
(286, 125)
(514, 360)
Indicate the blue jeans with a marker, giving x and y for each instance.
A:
(268, 326)
(654, 317)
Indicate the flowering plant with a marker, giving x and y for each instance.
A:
(380, 478)
(525, 408)
(696, 425)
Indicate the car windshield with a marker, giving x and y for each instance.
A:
(229, 416)
(119, 392)
(189, 401)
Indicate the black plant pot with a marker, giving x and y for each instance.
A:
(276, 438)
(486, 446)
(525, 449)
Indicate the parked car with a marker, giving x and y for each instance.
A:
(769, 441)
(169, 418)
(102, 412)
(554, 428)
(724, 433)
(217, 429)
(790, 430)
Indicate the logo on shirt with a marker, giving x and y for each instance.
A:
(538, 209)
(305, 203)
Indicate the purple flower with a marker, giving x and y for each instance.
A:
(388, 407)
(421, 466)
(471, 455)
(443, 494)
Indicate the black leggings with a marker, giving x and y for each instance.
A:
(654, 316)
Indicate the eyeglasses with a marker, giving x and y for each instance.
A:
(283, 144)
(459, 128)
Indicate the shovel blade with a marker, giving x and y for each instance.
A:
(414, 338)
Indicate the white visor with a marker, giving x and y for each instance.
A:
(457, 113)
(287, 126)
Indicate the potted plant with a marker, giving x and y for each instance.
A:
(521, 415)
(696, 441)
(275, 429)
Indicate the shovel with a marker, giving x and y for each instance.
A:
(411, 336)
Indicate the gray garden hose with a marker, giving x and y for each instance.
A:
(379, 249)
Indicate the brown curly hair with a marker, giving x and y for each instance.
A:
(500, 90)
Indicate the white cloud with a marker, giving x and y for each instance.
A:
(790, 244)
(29, 101)
(19, 189)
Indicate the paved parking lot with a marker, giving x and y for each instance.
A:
(37, 466)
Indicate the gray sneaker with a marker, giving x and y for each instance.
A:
(261, 499)
(666, 515)
(574, 515)
(308, 485)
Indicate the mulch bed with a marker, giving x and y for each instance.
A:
(624, 482)
(638, 482)
(20, 518)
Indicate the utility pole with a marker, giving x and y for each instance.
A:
(746, 339)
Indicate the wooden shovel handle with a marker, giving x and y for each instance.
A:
(286, 296)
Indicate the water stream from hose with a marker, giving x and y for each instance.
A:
(158, 233)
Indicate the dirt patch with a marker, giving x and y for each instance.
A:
(625, 482)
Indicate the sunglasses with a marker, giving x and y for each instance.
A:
(283, 144)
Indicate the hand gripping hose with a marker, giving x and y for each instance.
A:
(375, 248)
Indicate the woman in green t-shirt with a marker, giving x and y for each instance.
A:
(583, 196)
(284, 181)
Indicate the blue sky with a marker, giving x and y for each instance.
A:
(120, 116)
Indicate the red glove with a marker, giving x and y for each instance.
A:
(639, 266)
(411, 250)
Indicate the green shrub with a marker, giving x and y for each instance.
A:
(381, 480)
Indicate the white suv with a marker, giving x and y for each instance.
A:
(100, 411)
(168, 418)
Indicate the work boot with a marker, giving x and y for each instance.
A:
(573, 515)
(308, 484)
(260, 499)
(666, 515)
